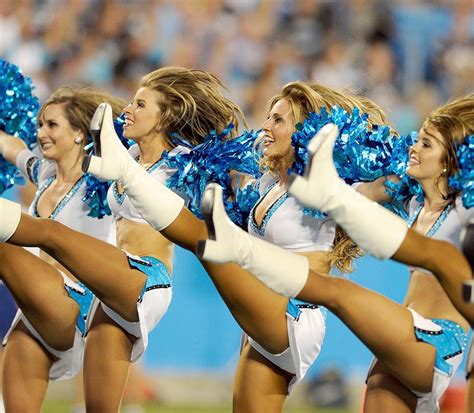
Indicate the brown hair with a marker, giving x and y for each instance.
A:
(307, 97)
(454, 121)
(79, 105)
(191, 103)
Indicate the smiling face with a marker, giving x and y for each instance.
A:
(427, 155)
(278, 129)
(142, 115)
(55, 134)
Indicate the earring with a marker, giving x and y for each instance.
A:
(77, 140)
(445, 170)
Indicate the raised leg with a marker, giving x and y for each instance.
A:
(384, 326)
(101, 266)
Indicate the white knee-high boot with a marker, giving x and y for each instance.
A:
(371, 226)
(282, 271)
(158, 205)
(10, 214)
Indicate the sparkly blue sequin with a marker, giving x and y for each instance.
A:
(439, 221)
(260, 229)
(463, 180)
(450, 341)
(84, 300)
(157, 274)
(64, 201)
(211, 161)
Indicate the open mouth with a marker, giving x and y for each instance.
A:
(268, 141)
(46, 145)
(128, 122)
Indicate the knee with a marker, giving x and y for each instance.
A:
(384, 382)
(379, 381)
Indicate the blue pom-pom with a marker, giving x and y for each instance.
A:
(359, 154)
(463, 180)
(245, 199)
(96, 197)
(406, 188)
(17, 116)
(212, 161)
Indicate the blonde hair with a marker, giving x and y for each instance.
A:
(307, 97)
(79, 105)
(454, 121)
(191, 104)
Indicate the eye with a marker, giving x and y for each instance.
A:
(52, 124)
(141, 104)
(426, 144)
(278, 119)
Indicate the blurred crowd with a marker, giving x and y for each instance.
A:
(408, 55)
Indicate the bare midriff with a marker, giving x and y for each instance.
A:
(426, 296)
(141, 239)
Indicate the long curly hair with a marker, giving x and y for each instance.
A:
(454, 121)
(191, 103)
(307, 97)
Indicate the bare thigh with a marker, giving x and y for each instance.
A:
(25, 372)
(259, 386)
(106, 364)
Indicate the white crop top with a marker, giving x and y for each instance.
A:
(71, 210)
(447, 227)
(285, 224)
(120, 204)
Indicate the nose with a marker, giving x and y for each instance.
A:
(266, 125)
(414, 147)
(40, 132)
(127, 108)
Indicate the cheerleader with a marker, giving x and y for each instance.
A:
(134, 287)
(419, 345)
(283, 337)
(46, 338)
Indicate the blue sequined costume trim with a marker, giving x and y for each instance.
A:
(294, 307)
(260, 229)
(449, 342)
(439, 221)
(84, 300)
(64, 201)
(157, 274)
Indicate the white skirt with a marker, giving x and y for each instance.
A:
(442, 374)
(306, 330)
(68, 362)
(151, 305)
